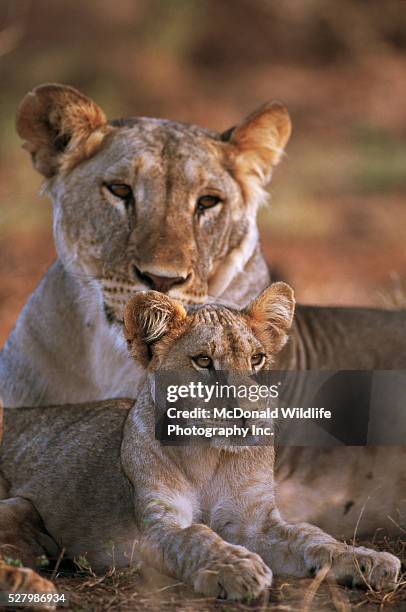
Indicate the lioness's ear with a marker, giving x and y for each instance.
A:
(56, 119)
(258, 142)
(149, 316)
(271, 315)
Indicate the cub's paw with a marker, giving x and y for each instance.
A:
(238, 574)
(25, 580)
(357, 566)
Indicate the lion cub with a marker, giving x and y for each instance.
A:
(93, 480)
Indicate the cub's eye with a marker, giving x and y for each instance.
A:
(202, 361)
(258, 360)
(207, 201)
(120, 190)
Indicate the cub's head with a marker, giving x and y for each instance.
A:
(148, 203)
(162, 335)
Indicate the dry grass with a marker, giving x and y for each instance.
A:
(130, 590)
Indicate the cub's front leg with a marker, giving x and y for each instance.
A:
(303, 549)
(194, 553)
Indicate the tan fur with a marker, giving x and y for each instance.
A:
(145, 325)
(205, 515)
(67, 345)
(25, 580)
(254, 152)
(107, 247)
(348, 488)
(269, 317)
(21, 532)
(59, 123)
(166, 164)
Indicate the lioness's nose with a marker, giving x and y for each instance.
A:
(159, 283)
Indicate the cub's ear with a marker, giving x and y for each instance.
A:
(148, 317)
(259, 140)
(271, 315)
(56, 119)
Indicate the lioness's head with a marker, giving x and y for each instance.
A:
(163, 335)
(148, 203)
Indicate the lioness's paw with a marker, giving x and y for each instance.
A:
(357, 566)
(25, 580)
(238, 574)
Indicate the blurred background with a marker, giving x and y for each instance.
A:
(335, 226)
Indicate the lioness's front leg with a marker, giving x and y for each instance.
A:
(303, 549)
(20, 532)
(194, 553)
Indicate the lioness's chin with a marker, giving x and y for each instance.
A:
(189, 297)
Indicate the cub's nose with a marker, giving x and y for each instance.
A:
(159, 283)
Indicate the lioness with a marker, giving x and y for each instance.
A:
(138, 203)
(150, 203)
(92, 479)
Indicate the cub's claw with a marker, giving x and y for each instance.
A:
(238, 575)
(357, 566)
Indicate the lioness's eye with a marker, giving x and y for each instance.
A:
(203, 361)
(120, 190)
(257, 360)
(207, 201)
